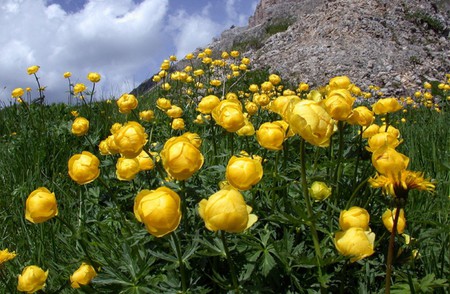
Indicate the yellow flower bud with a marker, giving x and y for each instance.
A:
(208, 103)
(94, 77)
(67, 74)
(78, 88)
(339, 82)
(147, 115)
(362, 116)
(274, 79)
(180, 158)
(126, 103)
(82, 276)
(80, 126)
(244, 172)
(127, 168)
(271, 135)
(247, 130)
(40, 206)
(178, 124)
(226, 210)
(370, 131)
(159, 210)
(355, 243)
(130, 139)
(174, 111)
(33, 69)
(17, 93)
(319, 191)
(145, 161)
(339, 104)
(266, 86)
(354, 217)
(386, 105)
(163, 103)
(388, 220)
(84, 167)
(32, 279)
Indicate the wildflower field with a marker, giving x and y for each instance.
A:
(224, 179)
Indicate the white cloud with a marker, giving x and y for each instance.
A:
(114, 38)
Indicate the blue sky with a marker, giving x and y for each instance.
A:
(124, 40)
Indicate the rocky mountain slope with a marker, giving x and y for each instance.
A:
(396, 44)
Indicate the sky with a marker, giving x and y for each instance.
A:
(125, 41)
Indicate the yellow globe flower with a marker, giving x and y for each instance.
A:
(166, 87)
(80, 126)
(67, 74)
(251, 107)
(274, 79)
(261, 99)
(115, 128)
(208, 103)
(266, 86)
(386, 105)
(226, 210)
(32, 279)
(130, 139)
(312, 122)
(159, 210)
(174, 111)
(382, 139)
(281, 105)
(319, 191)
(362, 116)
(5, 256)
(194, 138)
(82, 276)
(390, 129)
(247, 130)
(103, 148)
(339, 104)
(178, 124)
(33, 69)
(244, 172)
(180, 158)
(78, 88)
(339, 82)
(127, 168)
(388, 220)
(94, 77)
(228, 114)
(370, 131)
(271, 135)
(111, 145)
(126, 103)
(17, 93)
(355, 243)
(234, 53)
(147, 115)
(354, 217)
(84, 167)
(387, 161)
(163, 103)
(40, 206)
(145, 161)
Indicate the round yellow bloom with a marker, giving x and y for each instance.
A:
(208, 103)
(33, 69)
(166, 86)
(370, 131)
(390, 129)
(388, 220)
(247, 130)
(83, 168)
(215, 83)
(234, 53)
(82, 276)
(386, 105)
(130, 139)
(339, 82)
(32, 279)
(178, 124)
(103, 148)
(94, 77)
(355, 243)
(163, 103)
(228, 114)
(78, 88)
(115, 128)
(271, 135)
(244, 172)
(354, 217)
(126, 103)
(261, 99)
(127, 168)
(156, 78)
(111, 145)
(253, 88)
(189, 56)
(180, 158)
(40, 206)
(147, 115)
(427, 85)
(226, 210)
(282, 104)
(17, 93)
(362, 116)
(387, 161)
(194, 138)
(266, 86)
(312, 122)
(145, 161)
(339, 103)
(382, 139)
(80, 126)
(67, 74)
(5, 256)
(319, 191)
(159, 210)
(274, 79)
(251, 107)
(174, 111)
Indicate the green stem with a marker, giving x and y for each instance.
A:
(176, 241)
(338, 169)
(311, 216)
(230, 262)
(391, 252)
(92, 93)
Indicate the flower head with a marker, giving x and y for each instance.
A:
(355, 243)
(33, 69)
(5, 256)
(40, 206)
(126, 103)
(94, 77)
(84, 167)
(32, 279)
(80, 126)
(82, 276)
(244, 172)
